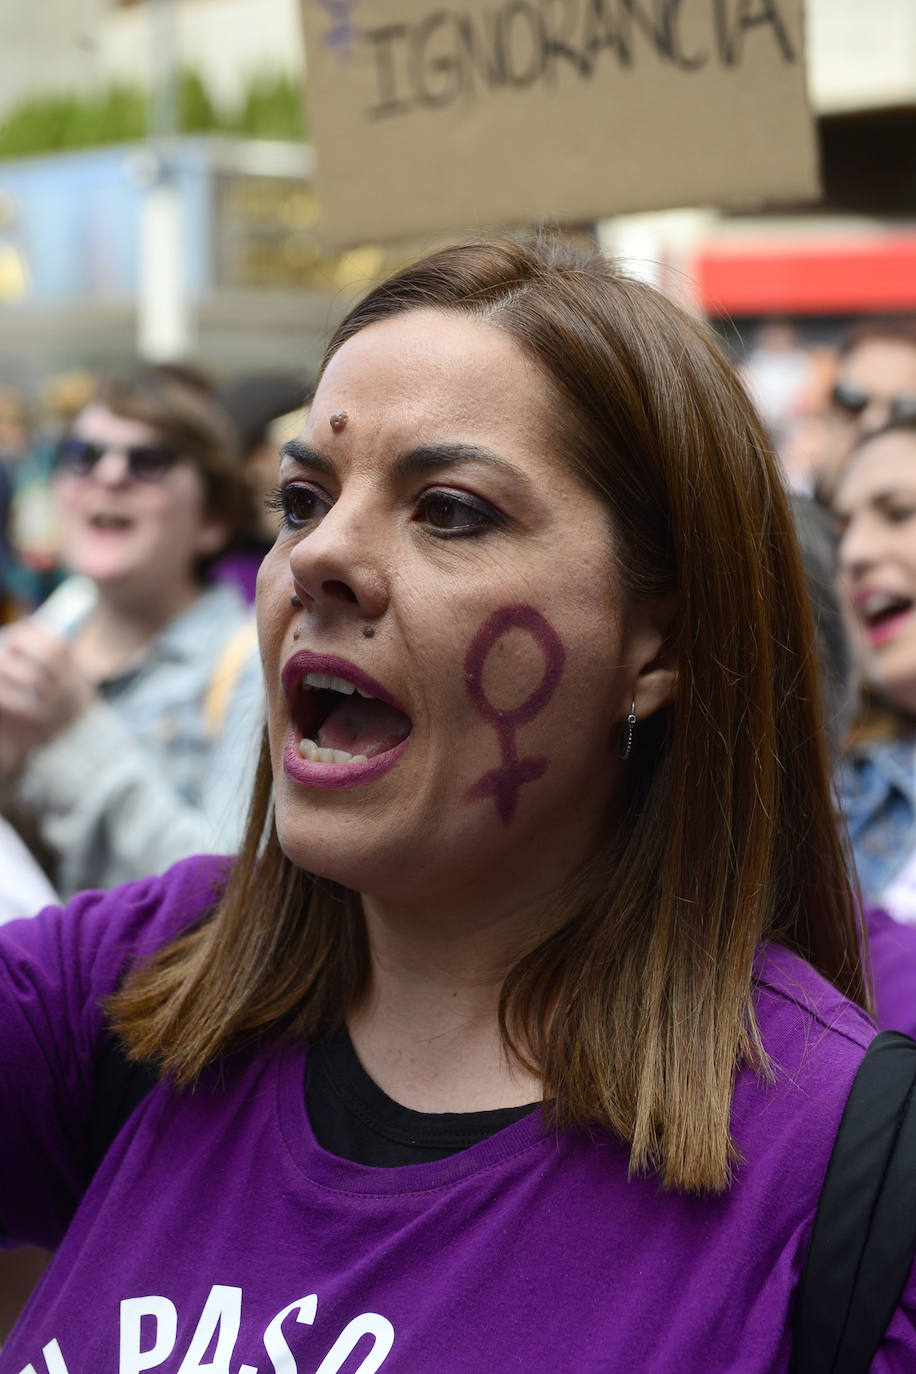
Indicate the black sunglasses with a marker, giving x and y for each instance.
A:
(853, 399)
(145, 462)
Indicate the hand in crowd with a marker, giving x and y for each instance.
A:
(42, 689)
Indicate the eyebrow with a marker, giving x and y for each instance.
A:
(417, 461)
(306, 457)
(885, 497)
(889, 495)
(429, 458)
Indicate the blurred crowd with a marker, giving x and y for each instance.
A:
(135, 513)
(843, 420)
(134, 519)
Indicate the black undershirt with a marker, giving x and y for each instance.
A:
(353, 1119)
(350, 1116)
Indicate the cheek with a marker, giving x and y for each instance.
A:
(272, 614)
(904, 543)
(186, 506)
(508, 682)
(70, 498)
(511, 694)
(511, 674)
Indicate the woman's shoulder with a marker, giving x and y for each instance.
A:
(793, 999)
(814, 1040)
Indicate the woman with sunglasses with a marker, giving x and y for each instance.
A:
(875, 383)
(123, 758)
(517, 1036)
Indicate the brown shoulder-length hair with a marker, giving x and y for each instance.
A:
(639, 1007)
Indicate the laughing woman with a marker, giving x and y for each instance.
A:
(518, 1035)
(127, 703)
(874, 503)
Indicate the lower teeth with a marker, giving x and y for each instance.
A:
(308, 749)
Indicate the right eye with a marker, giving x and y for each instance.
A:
(299, 504)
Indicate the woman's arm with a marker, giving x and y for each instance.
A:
(106, 806)
(56, 970)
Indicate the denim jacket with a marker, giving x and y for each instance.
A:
(877, 784)
(142, 779)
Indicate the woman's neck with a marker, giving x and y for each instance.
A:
(427, 1031)
(121, 628)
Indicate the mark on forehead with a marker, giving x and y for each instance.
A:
(503, 784)
(338, 420)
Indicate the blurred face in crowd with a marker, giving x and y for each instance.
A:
(133, 510)
(875, 503)
(875, 383)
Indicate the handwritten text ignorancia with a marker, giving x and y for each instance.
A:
(452, 54)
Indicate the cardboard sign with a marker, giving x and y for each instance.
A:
(450, 116)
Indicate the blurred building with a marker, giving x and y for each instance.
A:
(853, 253)
(67, 45)
(210, 238)
(258, 288)
(93, 241)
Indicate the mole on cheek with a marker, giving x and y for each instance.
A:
(504, 783)
(338, 420)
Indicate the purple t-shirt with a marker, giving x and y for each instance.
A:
(892, 947)
(218, 1236)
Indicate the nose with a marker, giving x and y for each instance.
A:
(876, 413)
(112, 468)
(857, 550)
(343, 564)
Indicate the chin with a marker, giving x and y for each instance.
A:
(310, 845)
(899, 693)
(102, 565)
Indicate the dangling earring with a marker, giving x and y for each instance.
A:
(628, 729)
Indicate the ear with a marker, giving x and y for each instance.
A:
(653, 657)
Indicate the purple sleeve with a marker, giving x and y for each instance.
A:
(56, 968)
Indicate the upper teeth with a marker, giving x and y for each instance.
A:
(327, 682)
(879, 602)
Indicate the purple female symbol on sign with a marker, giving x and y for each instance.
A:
(341, 36)
(503, 784)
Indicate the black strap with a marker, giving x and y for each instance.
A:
(864, 1234)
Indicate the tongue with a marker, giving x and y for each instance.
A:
(363, 725)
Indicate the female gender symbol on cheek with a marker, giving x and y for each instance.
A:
(503, 784)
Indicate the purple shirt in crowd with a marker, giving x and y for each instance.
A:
(218, 1236)
(892, 950)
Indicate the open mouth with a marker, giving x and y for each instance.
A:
(881, 613)
(104, 522)
(342, 721)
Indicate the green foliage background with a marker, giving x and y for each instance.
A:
(271, 107)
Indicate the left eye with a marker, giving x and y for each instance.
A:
(299, 504)
(446, 513)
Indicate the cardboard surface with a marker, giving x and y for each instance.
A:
(428, 120)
